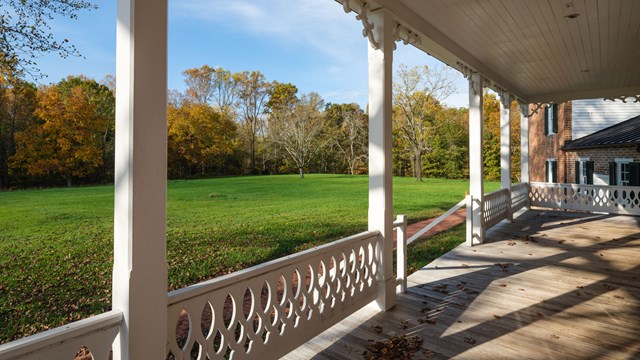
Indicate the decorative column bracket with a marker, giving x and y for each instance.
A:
(634, 98)
(536, 108)
(467, 72)
(408, 37)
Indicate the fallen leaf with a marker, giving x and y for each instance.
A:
(377, 329)
(465, 266)
(511, 243)
(470, 340)
(428, 353)
(496, 316)
(555, 336)
(618, 297)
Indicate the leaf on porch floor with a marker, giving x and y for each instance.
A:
(618, 297)
(502, 285)
(579, 287)
(503, 266)
(404, 324)
(610, 287)
(377, 329)
(553, 336)
(497, 316)
(441, 288)
(561, 241)
(521, 289)
(511, 243)
(465, 266)
(428, 353)
(470, 340)
(397, 347)
(540, 315)
(427, 320)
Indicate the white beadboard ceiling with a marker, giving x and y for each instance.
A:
(531, 47)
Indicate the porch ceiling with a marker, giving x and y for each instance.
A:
(533, 48)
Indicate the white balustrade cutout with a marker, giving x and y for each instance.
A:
(270, 309)
(593, 198)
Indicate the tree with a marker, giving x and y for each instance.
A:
(349, 132)
(218, 87)
(17, 104)
(491, 136)
(253, 94)
(449, 155)
(298, 132)
(417, 96)
(69, 138)
(26, 34)
(199, 137)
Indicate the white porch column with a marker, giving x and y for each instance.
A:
(505, 145)
(524, 144)
(476, 186)
(380, 156)
(139, 269)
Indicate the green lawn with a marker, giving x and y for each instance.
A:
(56, 244)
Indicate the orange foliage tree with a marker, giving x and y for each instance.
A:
(68, 138)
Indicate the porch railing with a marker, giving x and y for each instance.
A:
(270, 309)
(496, 207)
(96, 334)
(519, 196)
(593, 198)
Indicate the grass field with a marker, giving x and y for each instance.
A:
(56, 247)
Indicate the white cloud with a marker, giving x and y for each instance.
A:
(318, 23)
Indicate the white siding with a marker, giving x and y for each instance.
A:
(591, 115)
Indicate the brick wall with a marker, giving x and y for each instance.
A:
(543, 147)
(601, 159)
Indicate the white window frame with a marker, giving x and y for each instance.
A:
(549, 116)
(619, 163)
(582, 169)
(550, 170)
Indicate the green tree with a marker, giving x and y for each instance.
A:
(417, 96)
(26, 34)
(349, 133)
(17, 105)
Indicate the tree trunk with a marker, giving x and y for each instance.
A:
(418, 166)
(301, 172)
(68, 178)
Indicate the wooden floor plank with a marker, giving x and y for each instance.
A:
(549, 285)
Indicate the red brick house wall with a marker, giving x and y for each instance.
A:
(543, 147)
(600, 157)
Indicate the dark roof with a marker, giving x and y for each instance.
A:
(624, 133)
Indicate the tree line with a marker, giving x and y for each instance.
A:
(226, 123)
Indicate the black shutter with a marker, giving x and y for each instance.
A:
(634, 174)
(546, 120)
(554, 171)
(612, 173)
(578, 172)
(555, 118)
(589, 165)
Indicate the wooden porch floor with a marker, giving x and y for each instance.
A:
(551, 285)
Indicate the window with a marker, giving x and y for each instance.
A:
(584, 171)
(551, 119)
(624, 172)
(551, 170)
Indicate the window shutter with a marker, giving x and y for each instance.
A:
(555, 118)
(634, 174)
(578, 175)
(554, 171)
(589, 165)
(612, 173)
(546, 120)
(546, 171)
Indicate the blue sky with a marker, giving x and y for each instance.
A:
(310, 43)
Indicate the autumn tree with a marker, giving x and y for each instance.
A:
(26, 34)
(253, 94)
(491, 136)
(17, 104)
(69, 138)
(299, 131)
(349, 133)
(200, 137)
(217, 87)
(417, 96)
(449, 155)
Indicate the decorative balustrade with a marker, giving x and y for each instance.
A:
(495, 207)
(593, 198)
(95, 335)
(519, 196)
(270, 309)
